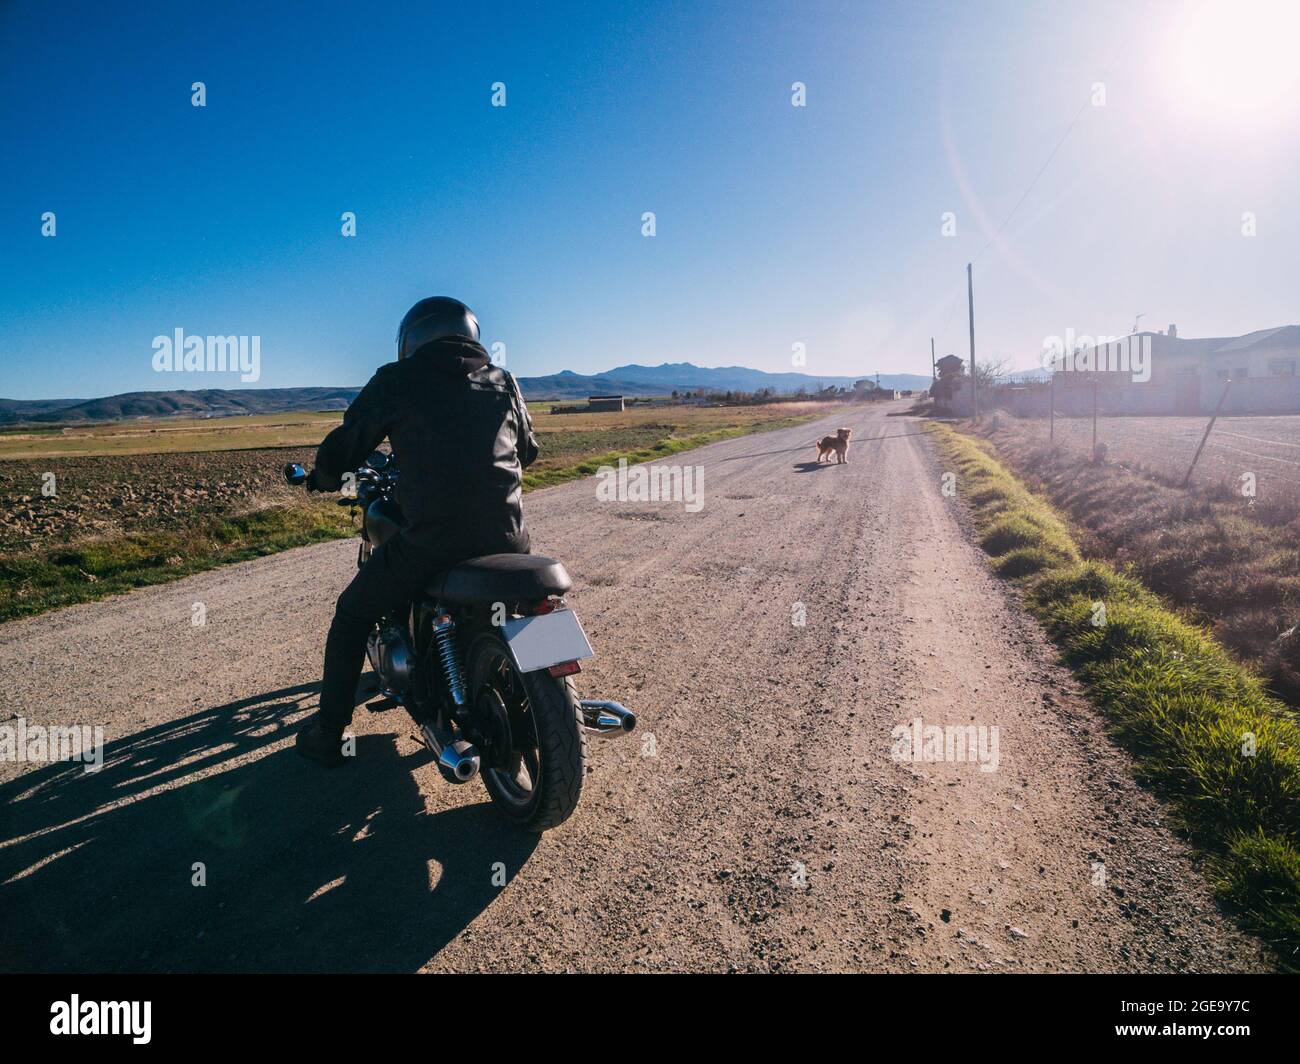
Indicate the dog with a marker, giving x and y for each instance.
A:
(837, 445)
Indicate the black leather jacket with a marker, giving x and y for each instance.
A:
(461, 434)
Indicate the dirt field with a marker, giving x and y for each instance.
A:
(114, 494)
(1268, 447)
(179, 435)
(121, 518)
(120, 478)
(167, 436)
(767, 827)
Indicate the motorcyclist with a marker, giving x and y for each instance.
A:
(461, 435)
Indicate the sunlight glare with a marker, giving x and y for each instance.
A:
(1237, 61)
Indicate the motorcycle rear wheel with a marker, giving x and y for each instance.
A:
(537, 781)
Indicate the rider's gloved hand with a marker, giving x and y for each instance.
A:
(318, 481)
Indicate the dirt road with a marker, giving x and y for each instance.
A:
(755, 821)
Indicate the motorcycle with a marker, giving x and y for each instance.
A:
(483, 661)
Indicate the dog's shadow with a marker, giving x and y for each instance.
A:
(812, 467)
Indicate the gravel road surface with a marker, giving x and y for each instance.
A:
(756, 821)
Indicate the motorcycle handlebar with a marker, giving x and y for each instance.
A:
(296, 474)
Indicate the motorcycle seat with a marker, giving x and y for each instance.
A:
(501, 578)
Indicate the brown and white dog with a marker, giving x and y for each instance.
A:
(837, 445)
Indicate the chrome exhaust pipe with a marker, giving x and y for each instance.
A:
(457, 760)
(603, 717)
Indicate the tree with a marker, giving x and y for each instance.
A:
(989, 373)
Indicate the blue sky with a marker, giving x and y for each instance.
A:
(776, 225)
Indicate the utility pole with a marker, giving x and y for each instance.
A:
(970, 303)
(934, 373)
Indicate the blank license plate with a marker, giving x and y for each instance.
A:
(540, 642)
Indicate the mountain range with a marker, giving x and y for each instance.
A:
(631, 380)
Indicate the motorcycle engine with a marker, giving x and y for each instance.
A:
(390, 654)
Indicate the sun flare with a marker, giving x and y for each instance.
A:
(1237, 61)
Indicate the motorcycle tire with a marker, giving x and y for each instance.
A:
(538, 784)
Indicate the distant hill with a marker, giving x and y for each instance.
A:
(683, 376)
(28, 409)
(630, 380)
(211, 402)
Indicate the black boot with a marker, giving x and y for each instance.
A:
(321, 744)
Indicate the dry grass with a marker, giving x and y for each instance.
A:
(169, 436)
(257, 431)
(1225, 561)
(1266, 447)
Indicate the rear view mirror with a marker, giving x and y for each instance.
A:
(295, 474)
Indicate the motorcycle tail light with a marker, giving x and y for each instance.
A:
(548, 605)
(565, 668)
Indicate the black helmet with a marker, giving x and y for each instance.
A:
(432, 319)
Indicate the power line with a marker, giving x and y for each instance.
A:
(1041, 171)
(1025, 195)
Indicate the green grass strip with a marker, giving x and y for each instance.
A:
(85, 571)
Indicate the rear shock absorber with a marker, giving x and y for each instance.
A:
(444, 637)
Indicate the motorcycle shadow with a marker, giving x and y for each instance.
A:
(194, 849)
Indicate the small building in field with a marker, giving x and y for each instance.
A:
(868, 389)
(605, 402)
(950, 366)
(951, 379)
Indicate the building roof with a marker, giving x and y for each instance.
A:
(1197, 346)
(1178, 348)
(1187, 346)
(1283, 335)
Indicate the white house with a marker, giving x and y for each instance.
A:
(1187, 376)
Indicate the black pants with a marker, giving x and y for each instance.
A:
(394, 575)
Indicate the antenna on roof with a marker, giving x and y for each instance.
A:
(1134, 330)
